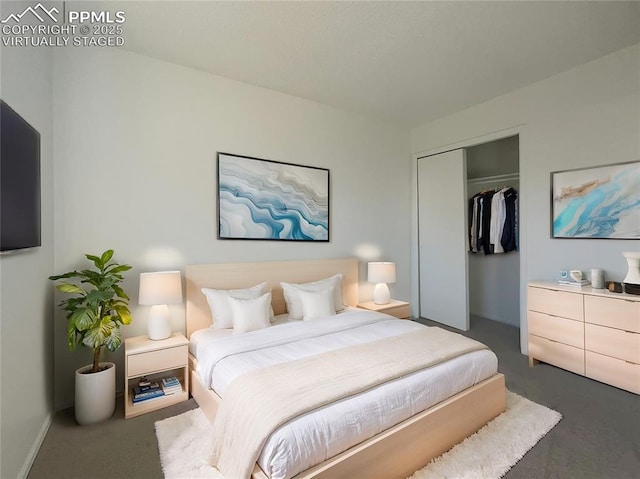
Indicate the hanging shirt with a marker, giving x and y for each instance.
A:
(498, 215)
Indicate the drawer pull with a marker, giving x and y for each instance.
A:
(630, 332)
(629, 362)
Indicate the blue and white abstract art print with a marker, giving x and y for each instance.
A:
(268, 200)
(601, 202)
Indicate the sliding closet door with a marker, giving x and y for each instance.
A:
(442, 230)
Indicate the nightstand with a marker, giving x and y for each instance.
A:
(155, 360)
(399, 309)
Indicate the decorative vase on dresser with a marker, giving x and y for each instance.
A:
(591, 332)
(632, 279)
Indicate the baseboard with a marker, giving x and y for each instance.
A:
(31, 457)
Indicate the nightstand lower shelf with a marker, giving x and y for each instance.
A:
(143, 407)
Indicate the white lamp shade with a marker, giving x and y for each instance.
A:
(163, 287)
(381, 272)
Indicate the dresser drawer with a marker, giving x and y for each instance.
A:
(613, 312)
(563, 330)
(149, 362)
(612, 342)
(558, 354)
(616, 372)
(555, 303)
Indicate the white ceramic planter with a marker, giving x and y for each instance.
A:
(95, 394)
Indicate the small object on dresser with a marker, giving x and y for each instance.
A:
(576, 275)
(631, 281)
(578, 284)
(631, 288)
(597, 278)
(633, 265)
(615, 287)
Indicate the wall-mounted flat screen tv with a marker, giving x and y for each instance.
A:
(19, 182)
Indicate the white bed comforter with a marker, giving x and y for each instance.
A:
(314, 437)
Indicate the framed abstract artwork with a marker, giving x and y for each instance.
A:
(269, 200)
(599, 202)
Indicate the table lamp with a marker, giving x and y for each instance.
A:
(158, 290)
(381, 273)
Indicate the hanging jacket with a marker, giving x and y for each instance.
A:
(509, 233)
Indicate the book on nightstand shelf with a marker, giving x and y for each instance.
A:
(139, 396)
(171, 385)
(144, 393)
(170, 381)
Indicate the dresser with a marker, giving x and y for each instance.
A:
(590, 332)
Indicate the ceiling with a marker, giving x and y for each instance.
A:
(402, 62)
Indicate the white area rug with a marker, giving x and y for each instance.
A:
(185, 444)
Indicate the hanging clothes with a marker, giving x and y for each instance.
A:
(498, 216)
(473, 224)
(509, 235)
(493, 221)
(484, 240)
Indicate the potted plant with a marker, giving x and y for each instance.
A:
(95, 312)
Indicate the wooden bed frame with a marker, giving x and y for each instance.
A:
(394, 453)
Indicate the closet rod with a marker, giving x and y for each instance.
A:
(494, 179)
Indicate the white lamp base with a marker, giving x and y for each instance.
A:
(159, 324)
(381, 294)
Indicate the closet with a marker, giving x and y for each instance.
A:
(456, 284)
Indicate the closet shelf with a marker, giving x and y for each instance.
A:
(494, 179)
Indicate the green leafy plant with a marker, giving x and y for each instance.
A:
(99, 305)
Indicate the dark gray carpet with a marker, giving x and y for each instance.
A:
(598, 437)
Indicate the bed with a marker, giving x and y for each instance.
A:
(396, 451)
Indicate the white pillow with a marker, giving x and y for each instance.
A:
(317, 304)
(250, 314)
(291, 296)
(218, 300)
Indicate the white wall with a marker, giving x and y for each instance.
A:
(26, 304)
(136, 143)
(587, 116)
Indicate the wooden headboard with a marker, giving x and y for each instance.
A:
(244, 275)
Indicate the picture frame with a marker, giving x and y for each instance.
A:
(601, 202)
(261, 199)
